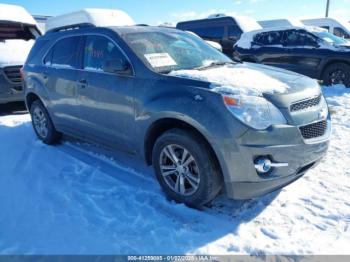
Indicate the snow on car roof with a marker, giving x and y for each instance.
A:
(281, 22)
(247, 24)
(247, 38)
(96, 17)
(15, 13)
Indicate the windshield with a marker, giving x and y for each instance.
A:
(17, 31)
(168, 51)
(330, 38)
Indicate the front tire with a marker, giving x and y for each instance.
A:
(42, 124)
(337, 73)
(186, 169)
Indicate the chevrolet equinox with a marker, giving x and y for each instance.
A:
(203, 121)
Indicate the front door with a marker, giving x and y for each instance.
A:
(106, 100)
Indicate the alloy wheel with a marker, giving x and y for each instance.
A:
(338, 76)
(179, 170)
(40, 122)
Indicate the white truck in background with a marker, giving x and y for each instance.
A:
(18, 31)
(337, 26)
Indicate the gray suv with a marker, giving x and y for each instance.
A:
(203, 121)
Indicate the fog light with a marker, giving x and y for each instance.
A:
(263, 165)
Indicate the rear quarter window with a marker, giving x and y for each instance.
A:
(37, 52)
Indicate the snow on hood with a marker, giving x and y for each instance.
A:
(248, 79)
(14, 52)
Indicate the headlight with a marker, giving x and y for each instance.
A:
(254, 111)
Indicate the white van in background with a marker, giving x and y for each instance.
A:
(337, 27)
(281, 23)
(18, 31)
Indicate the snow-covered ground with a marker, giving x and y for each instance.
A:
(79, 199)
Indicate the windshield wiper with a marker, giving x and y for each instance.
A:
(215, 64)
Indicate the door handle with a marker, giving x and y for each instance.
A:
(83, 83)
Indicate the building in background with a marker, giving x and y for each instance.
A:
(41, 20)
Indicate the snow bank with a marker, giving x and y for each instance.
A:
(237, 79)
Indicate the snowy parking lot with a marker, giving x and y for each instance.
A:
(76, 198)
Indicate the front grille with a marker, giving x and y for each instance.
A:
(13, 74)
(314, 130)
(302, 105)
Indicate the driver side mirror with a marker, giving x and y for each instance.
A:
(116, 66)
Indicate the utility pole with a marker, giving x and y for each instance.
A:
(327, 8)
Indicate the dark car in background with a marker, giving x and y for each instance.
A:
(225, 30)
(310, 51)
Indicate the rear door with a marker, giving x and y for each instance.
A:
(268, 49)
(303, 53)
(61, 75)
(106, 100)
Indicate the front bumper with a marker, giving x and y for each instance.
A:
(281, 144)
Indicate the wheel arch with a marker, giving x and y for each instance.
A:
(162, 125)
(30, 98)
(331, 62)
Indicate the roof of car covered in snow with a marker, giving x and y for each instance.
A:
(96, 17)
(15, 13)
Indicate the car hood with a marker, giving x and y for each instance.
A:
(14, 52)
(249, 78)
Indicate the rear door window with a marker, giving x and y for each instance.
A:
(98, 50)
(65, 53)
(299, 38)
(269, 38)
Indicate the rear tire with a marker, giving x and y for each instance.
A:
(337, 73)
(185, 168)
(42, 124)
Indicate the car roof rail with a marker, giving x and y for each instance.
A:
(70, 27)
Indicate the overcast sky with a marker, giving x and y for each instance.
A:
(156, 11)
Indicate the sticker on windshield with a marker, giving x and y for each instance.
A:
(160, 60)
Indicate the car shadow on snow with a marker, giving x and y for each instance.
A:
(227, 214)
(16, 108)
(105, 202)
